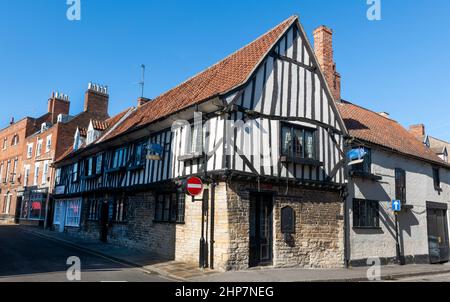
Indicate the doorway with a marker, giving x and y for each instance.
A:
(438, 241)
(261, 230)
(104, 221)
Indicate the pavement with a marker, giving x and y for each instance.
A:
(23, 246)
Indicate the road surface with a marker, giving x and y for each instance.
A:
(25, 257)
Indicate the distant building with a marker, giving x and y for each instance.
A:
(30, 148)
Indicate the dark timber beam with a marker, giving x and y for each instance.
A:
(287, 59)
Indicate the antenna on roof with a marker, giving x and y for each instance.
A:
(142, 82)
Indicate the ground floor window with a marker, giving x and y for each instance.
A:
(57, 213)
(170, 207)
(73, 213)
(366, 213)
(120, 210)
(94, 210)
(33, 206)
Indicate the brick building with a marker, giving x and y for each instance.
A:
(29, 148)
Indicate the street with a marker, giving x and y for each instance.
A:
(25, 257)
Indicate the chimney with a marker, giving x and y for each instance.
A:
(323, 47)
(58, 104)
(385, 114)
(96, 100)
(418, 131)
(142, 101)
(12, 121)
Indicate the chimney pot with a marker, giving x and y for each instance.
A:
(142, 101)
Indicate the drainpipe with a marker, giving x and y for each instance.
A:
(213, 207)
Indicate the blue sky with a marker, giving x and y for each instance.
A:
(399, 64)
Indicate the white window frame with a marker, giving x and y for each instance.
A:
(39, 147)
(73, 220)
(30, 150)
(48, 144)
(26, 175)
(36, 174)
(45, 172)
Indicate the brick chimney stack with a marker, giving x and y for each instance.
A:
(418, 131)
(142, 101)
(323, 47)
(58, 104)
(96, 100)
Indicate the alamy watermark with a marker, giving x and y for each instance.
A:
(374, 10)
(73, 273)
(74, 10)
(374, 270)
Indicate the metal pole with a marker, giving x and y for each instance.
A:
(399, 261)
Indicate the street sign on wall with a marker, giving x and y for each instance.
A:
(194, 186)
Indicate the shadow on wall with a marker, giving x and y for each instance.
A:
(354, 124)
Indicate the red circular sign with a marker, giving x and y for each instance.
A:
(194, 186)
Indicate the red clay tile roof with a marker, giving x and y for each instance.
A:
(100, 125)
(219, 79)
(371, 127)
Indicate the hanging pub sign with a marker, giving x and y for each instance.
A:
(154, 152)
(356, 156)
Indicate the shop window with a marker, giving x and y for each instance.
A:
(366, 213)
(73, 213)
(57, 213)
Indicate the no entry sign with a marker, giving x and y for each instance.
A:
(194, 186)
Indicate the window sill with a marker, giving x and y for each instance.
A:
(190, 157)
(168, 222)
(368, 228)
(364, 175)
(301, 161)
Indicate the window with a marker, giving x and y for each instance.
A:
(139, 155)
(119, 158)
(297, 142)
(57, 213)
(7, 203)
(99, 164)
(170, 208)
(400, 185)
(39, 148)
(45, 172)
(15, 140)
(366, 213)
(90, 166)
(436, 178)
(36, 175)
(94, 210)
(58, 176)
(29, 150)
(8, 171)
(75, 172)
(195, 145)
(73, 213)
(14, 171)
(5, 143)
(366, 165)
(1, 172)
(26, 175)
(48, 145)
(119, 210)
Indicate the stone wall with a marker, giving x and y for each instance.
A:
(318, 241)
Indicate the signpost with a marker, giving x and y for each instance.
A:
(194, 186)
(397, 208)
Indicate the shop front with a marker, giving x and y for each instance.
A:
(33, 207)
(67, 213)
